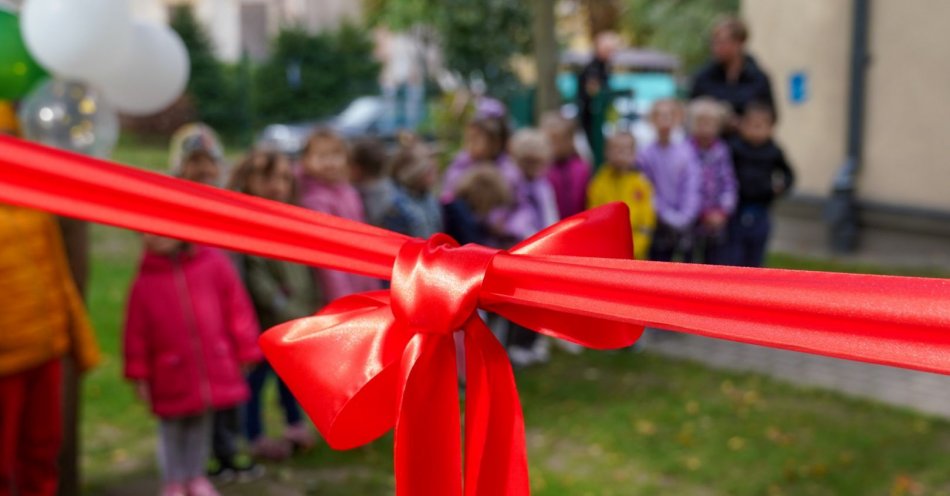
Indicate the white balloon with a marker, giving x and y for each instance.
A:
(77, 39)
(153, 73)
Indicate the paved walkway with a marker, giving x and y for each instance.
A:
(924, 392)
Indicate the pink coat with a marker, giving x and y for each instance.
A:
(341, 200)
(189, 328)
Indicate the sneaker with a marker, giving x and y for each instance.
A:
(201, 486)
(265, 448)
(173, 489)
(246, 470)
(300, 436)
(221, 472)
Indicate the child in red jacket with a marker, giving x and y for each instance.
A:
(190, 329)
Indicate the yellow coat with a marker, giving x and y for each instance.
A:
(634, 189)
(41, 314)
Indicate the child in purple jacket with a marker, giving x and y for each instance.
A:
(718, 188)
(569, 173)
(675, 174)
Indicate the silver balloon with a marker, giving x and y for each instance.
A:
(71, 116)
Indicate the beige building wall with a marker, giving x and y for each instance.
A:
(907, 145)
(907, 125)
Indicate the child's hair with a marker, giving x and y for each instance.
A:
(495, 130)
(757, 107)
(530, 142)
(705, 107)
(737, 29)
(258, 162)
(554, 120)
(325, 134)
(411, 161)
(483, 188)
(622, 135)
(369, 156)
(672, 102)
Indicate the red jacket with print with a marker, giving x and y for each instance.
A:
(189, 327)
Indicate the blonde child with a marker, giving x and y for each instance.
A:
(569, 173)
(619, 180)
(485, 140)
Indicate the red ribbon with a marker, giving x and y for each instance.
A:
(369, 362)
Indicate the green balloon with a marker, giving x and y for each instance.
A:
(18, 71)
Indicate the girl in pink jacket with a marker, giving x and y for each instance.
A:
(190, 329)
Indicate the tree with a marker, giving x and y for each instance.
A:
(210, 90)
(545, 55)
(680, 27)
(312, 76)
(478, 37)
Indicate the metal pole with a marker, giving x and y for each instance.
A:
(842, 212)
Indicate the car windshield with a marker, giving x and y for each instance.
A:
(359, 113)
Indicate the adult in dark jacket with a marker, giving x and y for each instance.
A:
(732, 76)
(593, 90)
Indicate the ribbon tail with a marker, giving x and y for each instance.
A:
(496, 462)
(428, 428)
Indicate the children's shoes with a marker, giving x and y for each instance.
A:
(173, 489)
(201, 486)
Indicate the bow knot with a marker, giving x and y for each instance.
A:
(436, 282)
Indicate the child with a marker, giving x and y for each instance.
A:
(485, 141)
(281, 291)
(534, 209)
(535, 205)
(480, 191)
(674, 172)
(42, 320)
(569, 174)
(718, 188)
(620, 180)
(189, 330)
(196, 155)
(325, 187)
(763, 174)
(415, 172)
(385, 204)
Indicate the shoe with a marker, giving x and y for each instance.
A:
(265, 448)
(173, 489)
(300, 437)
(520, 357)
(221, 473)
(201, 486)
(246, 470)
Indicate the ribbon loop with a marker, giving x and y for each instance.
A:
(436, 283)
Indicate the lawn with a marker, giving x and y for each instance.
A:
(598, 423)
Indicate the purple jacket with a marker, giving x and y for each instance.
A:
(675, 174)
(341, 200)
(718, 187)
(569, 178)
(464, 163)
(534, 209)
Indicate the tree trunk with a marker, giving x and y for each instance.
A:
(546, 55)
(603, 15)
(76, 241)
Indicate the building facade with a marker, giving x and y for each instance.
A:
(806, 46)
(247, 26)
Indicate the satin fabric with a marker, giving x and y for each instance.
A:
(371, 362)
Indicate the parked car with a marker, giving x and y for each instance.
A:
(365, 116)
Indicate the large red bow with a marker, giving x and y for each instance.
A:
(369, 362)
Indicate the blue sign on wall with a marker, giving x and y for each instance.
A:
(797, 87)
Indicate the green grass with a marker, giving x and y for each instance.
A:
(598, 423)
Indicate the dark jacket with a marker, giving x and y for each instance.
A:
(753, 85)
(759, 168)
(597, 70)
(462, 225)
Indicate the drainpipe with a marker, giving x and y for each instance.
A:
(841, 212)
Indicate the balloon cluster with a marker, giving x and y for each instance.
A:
(101, 61)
